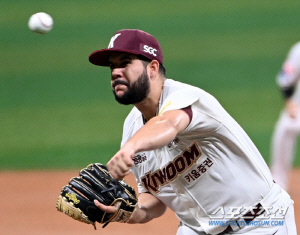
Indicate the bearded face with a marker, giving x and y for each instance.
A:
(136, 92)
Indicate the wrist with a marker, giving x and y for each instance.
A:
(135, 216)
(130, 146)
(139, 215)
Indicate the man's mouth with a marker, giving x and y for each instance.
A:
(120, 87)
(120, 82)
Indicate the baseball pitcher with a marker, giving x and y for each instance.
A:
(186, 152)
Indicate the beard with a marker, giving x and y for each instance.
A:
(136, 92)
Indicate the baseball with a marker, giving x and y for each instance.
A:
(40, 23)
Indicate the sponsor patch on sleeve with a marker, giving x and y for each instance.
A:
(139, 158)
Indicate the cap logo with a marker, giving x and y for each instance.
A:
(112, 40)
(150, 50)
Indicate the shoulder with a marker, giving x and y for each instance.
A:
(294, 50)
(132, 123)
(172, 85)
(177, 95)
(179, 91)
(175, 87)
(296, 46)
(133, 115)
(132, 118)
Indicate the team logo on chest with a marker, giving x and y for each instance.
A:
(153, 181)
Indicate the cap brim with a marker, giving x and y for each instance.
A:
(101, 57)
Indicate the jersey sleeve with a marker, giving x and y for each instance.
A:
(128, 127)
(141, 188)
(288, 75)
(290, 70)
(180, 99)
(206, 110)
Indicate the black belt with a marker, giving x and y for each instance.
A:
(248, 217)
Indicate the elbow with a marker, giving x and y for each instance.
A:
(150, 216)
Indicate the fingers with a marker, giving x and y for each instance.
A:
(119, 166)
(108, 209)
(118, 169)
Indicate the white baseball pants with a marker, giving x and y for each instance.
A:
(283, 148)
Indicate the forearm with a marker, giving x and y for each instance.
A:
(159, 131)
(155, 134)
(148, 208)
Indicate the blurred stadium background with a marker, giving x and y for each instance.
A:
(57, 110)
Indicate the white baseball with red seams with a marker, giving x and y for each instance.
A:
(40, 22)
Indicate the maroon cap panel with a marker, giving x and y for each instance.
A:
(131, 41)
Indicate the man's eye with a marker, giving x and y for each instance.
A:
(123, 64)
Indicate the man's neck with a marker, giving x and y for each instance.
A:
(149, 106)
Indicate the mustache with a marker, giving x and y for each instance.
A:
(120, 82)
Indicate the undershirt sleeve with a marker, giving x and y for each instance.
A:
(189, 112)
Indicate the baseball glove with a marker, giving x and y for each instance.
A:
(94, 182)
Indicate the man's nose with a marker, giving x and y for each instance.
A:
(116, 73)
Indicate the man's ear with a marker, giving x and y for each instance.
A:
(153, 68)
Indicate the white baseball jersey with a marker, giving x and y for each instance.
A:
(287, 129)
(211, 163)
